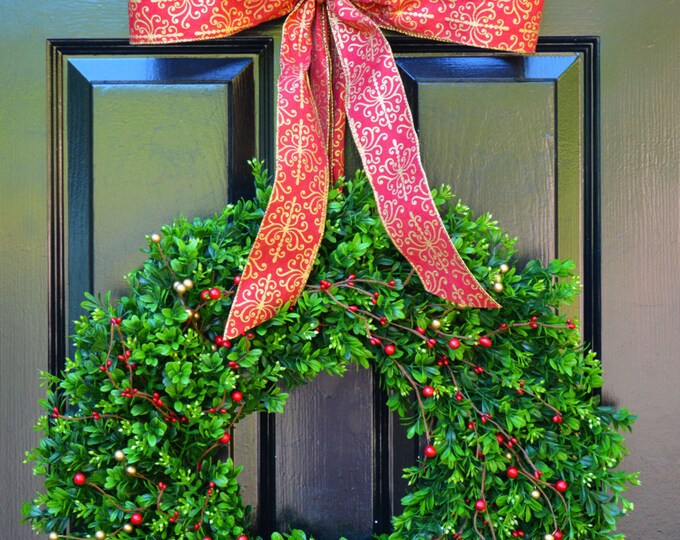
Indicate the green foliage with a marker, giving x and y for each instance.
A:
(156, 387)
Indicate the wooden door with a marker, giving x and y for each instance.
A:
(136, 136)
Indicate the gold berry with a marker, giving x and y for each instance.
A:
(100, 535)
(498, 287)
(128, 528)
(119, 455)
(131, 470)
(504, 268)
(536, 494)
(436, 324)
(188, 284)
(155, 238)
(53, 536)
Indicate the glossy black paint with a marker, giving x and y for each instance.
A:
(388, 450)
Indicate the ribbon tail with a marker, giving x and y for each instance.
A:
(383, 130)
(320, 74)
(329, 92)
(292, 228)
(339, 119)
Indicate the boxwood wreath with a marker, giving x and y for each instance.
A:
(515, 442)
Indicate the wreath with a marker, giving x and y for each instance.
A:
(515, 442)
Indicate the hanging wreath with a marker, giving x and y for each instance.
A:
(515, 442)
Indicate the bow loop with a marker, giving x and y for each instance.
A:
(336, 65)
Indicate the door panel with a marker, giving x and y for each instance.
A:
(151, 133)
(141, 140)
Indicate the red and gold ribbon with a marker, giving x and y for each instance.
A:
(338, 68)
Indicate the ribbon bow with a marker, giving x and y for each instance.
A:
(337, 66)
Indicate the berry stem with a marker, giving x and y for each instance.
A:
(420, 402)
(113, 501)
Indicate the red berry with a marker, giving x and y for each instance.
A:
(480, 505)
(136, 518)
(500, 438)
(512, 472)
(353, 309)
(558, 535)
(214, 293)
(484, 341)
(383, 321)
(571, 326)
(205, 295)
(428, 391)
(431, 343)
(236, 396)
(197, 526)
(557, 419)
(79, 479)
(454, 343)
(459, 396)
(224, 439)
(207, 538)
(219, 341)
(561, 486)
(237, 280)
(533, 325)
(242, 537)
(390, 349)
(430, 451)
(391, 283)
(420, 330)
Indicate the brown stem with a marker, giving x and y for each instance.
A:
(408, 278)
(420, 402)
(112, 500)
(79, 418)
(535, 482)
(486, 511)
(204, 454)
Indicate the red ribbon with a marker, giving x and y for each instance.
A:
(337, 67)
